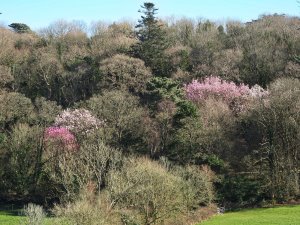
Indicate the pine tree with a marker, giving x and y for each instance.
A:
(20, 27)
(152, 41)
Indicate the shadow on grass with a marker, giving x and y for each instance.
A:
(11, 210)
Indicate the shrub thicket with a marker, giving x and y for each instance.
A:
(84, 117)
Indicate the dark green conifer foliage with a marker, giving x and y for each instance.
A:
(152, 41)
(20, 27)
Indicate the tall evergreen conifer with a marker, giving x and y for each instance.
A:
(152, 41)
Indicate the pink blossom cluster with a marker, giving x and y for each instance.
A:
(78, 121)
(60, 135)
(214, 87)
(198, 91)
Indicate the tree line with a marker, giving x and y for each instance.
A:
(211, 109)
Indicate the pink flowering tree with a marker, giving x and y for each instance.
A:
(214, 87)
(237, 96)
(60, 137)
(78, 121)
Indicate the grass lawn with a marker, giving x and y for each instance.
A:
(9, 216)
(285, 215)
(9, 219)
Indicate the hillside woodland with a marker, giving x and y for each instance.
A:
(147, 123)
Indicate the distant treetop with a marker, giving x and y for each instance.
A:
(20, 27)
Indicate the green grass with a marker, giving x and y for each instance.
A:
(285, 215)
(9, 218)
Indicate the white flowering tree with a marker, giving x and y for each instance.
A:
(78, 121)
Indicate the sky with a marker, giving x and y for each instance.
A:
(41, 13)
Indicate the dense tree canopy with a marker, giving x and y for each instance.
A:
(188, 112)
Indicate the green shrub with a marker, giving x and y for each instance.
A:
(123, 116)
(198, 187)
(145, 192)
(72, 171)
(23, 154)
(87, 211)
(142, 192)
(124, 72)
(14, 107)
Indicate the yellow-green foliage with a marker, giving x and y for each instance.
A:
(124, 72)
(145, 192)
